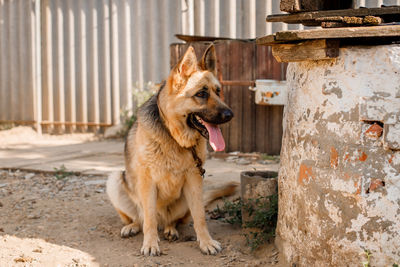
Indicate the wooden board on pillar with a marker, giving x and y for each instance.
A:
(392, 31)
(307, 50)
(292, 6)
(389, 14)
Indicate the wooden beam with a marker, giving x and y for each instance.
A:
(307, 16)
(330, 33)
(266, 40)
(290, 5)
(308, 50)
(348, 32)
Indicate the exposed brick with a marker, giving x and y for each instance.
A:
(374, 131)
(334, 157)
(375, 184)
(305, 173)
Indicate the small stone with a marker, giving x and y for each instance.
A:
(33, 216)
(29, 176)
(1, 204)
(100, 190)
(1, 230)
(231, 159)
(243, 161)
(96, 182)
(3, 185)
(267, 162)
(37, 250)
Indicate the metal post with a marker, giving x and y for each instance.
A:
(38, 67)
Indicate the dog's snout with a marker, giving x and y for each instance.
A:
(226, 115)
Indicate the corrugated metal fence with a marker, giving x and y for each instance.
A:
(72, 64)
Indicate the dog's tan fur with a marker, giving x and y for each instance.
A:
(161, 184)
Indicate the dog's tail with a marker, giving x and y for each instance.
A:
(224, 190)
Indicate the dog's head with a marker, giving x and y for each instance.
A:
(193, 106)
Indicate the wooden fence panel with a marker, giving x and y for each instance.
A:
(254, 128)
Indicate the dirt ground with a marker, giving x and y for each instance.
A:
(70, 222)
(50, 221)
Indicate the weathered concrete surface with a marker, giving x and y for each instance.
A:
(339, 181)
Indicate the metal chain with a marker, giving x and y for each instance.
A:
(198, 161)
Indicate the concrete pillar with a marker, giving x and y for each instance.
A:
(339, 181)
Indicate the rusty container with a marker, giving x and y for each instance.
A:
(339, 180)
(257, 188)
(256, 184)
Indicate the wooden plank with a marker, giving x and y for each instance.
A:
(350, 32)
(235, 70)
(307, 16)
(308, 50)
(198, 38)
(248, 113)
(263, 58)
(290, 5)
(268, 128)
(313, 5)
(221, 49)
(392, 31)
(267, 40)
(276, 129)
(275, 115)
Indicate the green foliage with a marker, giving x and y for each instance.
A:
(395, 265)
(368, 254)
(140, 94)
(6, 126)
(127, 120)
(263, 216)
(62, 173)
(231, 212)
(270, 157)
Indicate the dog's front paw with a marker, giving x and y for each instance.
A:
(150, 249)
(171, 234)
(130, 230)
(210, 247)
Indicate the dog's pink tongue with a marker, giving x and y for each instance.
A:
(216, 139)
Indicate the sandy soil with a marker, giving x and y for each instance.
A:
(70, 222)
(45, 221)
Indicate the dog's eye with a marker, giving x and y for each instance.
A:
(218, 91)
(203, 93)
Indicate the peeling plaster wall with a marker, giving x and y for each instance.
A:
(339, 181)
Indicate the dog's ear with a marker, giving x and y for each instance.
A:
(188, 63)
(209, 60)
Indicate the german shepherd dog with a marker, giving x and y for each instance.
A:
(164, 153)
